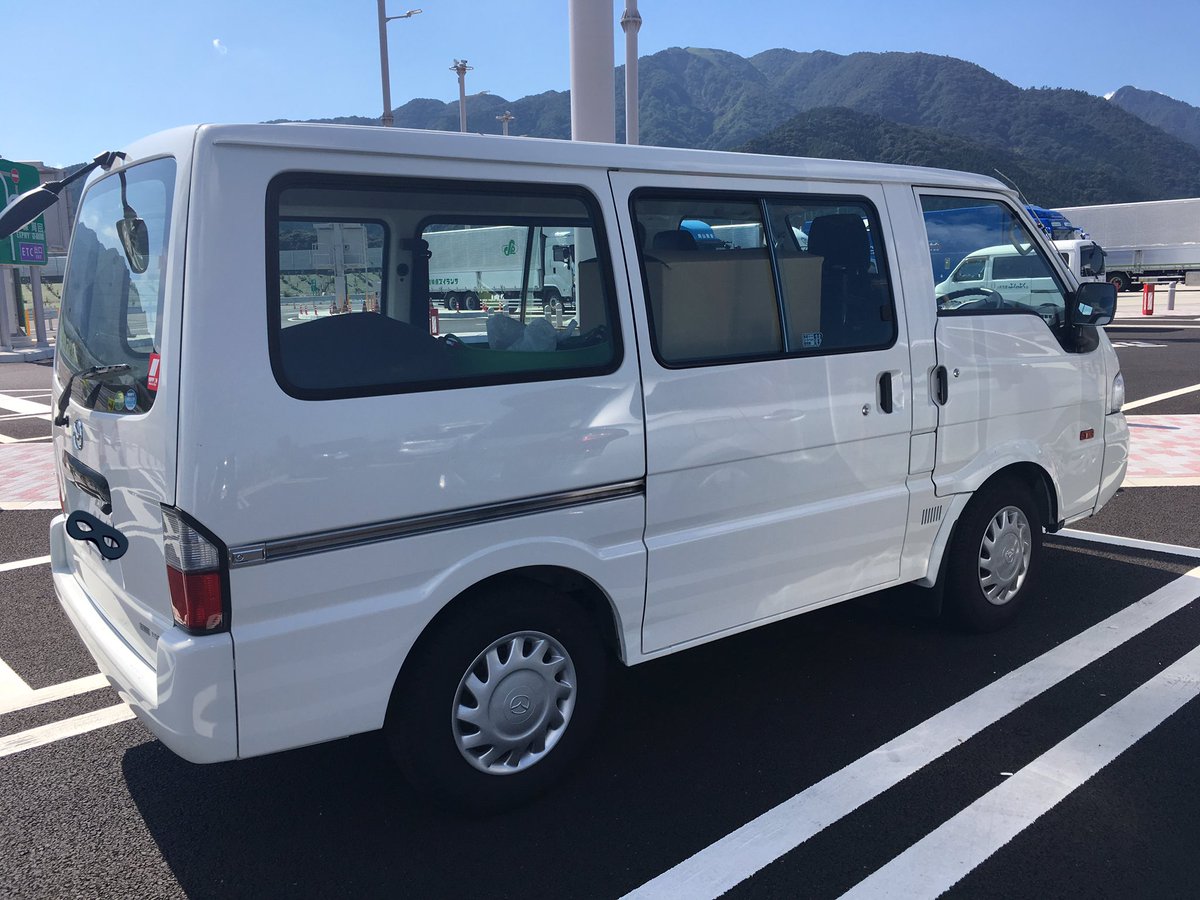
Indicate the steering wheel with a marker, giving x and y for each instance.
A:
(989, 299)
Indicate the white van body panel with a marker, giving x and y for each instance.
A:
(697, 501)
(318, 653)
(1016, 396)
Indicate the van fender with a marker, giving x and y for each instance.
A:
(611, 582)
(1032, 472)
(1015, 453)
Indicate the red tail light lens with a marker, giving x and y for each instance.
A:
(195, 576)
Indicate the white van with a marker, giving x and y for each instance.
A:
(1012, 276)
(285, 524)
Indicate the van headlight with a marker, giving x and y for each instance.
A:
(1118, 394)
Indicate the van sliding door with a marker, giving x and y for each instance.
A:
(777, 383)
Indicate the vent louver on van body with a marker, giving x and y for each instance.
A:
(931, 514)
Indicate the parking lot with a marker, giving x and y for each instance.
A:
(854, 750)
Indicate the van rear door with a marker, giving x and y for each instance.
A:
(114, 441)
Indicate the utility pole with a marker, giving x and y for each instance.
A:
(504, 120)
(460, 66)
(386, 120)
(631, 22)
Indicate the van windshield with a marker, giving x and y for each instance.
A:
(111, 313)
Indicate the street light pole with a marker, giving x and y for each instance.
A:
(504, 120)
(630, 23)
(386, 120)
(460, 66)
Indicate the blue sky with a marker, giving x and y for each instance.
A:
(96, 80)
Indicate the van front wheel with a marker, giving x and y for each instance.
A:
(994, 556)
(493, 705)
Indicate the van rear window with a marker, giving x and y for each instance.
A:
(383, 286)
(113, 286)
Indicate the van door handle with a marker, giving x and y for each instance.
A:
(885, 392)
(941, 385)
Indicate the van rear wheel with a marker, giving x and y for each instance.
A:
(496, 701)
(994, 556)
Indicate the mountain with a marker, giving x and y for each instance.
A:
(840, 133)
(1063, 146)
(1173, 116)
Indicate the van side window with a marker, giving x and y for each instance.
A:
(836, 292)
(708, 279)
(383, 286)
(735, 278)
(965, 234)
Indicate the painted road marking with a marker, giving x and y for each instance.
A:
(1164, 324)
(84, 685)
(21, 405)
(944, 856)
(46, 734)
(24, 563)
(735, 857)
(1146, 401)
(12, 685)
(1096, 537)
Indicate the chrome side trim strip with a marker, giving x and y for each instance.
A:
(359, 535)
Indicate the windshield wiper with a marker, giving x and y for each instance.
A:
(94, 372)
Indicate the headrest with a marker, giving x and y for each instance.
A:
(674, 240)
(841, 238)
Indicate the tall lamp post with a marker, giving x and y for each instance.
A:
(504, 120)
(630, 23)
(386, 120)
(460, 66)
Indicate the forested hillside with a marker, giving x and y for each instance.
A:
(1062, 146)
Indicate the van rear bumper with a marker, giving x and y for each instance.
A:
(186, 698)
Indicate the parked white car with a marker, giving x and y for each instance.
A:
(284, 525)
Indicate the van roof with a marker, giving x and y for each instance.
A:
(374, 140)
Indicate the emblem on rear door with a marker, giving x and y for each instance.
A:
(77, 434)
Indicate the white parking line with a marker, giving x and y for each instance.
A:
(24, 563)
(46, 734)
(735, 857)
(16, 701)
(12, 685)
(1146, 401)
(944, 856)
(1117, 541)
(21, 405)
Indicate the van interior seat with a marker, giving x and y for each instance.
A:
(841, 240)
(674, 240)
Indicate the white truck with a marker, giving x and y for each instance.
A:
(471, 263)
(1150, 242)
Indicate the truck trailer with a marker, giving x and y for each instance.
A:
(470, 265)
(1146, 243)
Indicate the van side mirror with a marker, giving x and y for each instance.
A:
(24, 209)
(135, 240)
(1095, 304)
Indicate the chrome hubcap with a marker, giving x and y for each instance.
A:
(513, 703)
(1004, 555)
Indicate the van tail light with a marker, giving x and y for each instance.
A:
(196, 574)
